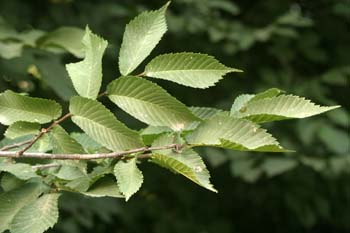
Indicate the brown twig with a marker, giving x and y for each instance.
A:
(37, 155)
(6, 148)
(42, 132)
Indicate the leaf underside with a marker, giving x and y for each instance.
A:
(149, 103)
(189, 69)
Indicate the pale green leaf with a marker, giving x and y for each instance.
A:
(102, 126)
(129, 177)
(20, 170)
(86, 75)
(11, 202)
(149, 103)
(280, 108)
(63, 143)
(68, 38)
(104, 187)
(187, 163)
(141, 36)
(38, 216)
(22, 128)
(242, 100)
(232, 133)
(189, 69)
(15, 107)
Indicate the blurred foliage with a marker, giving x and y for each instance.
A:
(301, 47)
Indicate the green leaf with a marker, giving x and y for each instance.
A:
(104, 187)
(242, 100)
(187, 163)
(10, 182)
(55, 75)
(86, 75)
(89, 144)
(189, 69)
(232, 133)
(141, 36)
(204, 113)
(101, 125)
(38, 216)
(76, 176)
(22, 128)
(68, 38)
(129, 177)
(11, 202)
(277, 166)
(149, 103)
(15, 107)
(279, 108)
(63, 143)
(20, 170)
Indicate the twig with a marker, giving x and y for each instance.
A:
(6, 148)
(102, 94)
(42, 132)
(38, 155)
(141, 74)
(45, 166)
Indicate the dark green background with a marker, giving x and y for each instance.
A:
(302, 47)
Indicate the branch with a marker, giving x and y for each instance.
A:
(42, 132)
(6, 148)
(38, 155)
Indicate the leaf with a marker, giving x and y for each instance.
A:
(63, 143)
(149, 103)
(187, 163)
(277, 166)
(129, 177)
(141, 36)
(189, 69)
(104, 187)
(242, 100)
(15, 107)
(68, 38)
(11, 202)
(38, 216)
(89, 145)
(86, 75)
(204, 113)
(232, 133)
(279, 108)
(101, 125)
(22, 128)
(55, 75)
(10, 182)
(20, 170)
